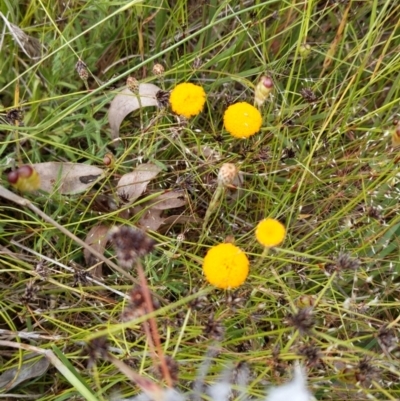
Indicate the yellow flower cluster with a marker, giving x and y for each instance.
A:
(226, 266)
(270, 232)
(242, 120)
(187, 99)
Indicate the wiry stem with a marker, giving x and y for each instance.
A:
(154, 338)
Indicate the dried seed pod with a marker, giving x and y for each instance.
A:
(158, 69)
(262, 90)
(227, 174)
(308, 95)
(81, 68)
(303, 320)
(132, 83)
(346, 262)
(162, 98)
(14, 116)
(129, 244)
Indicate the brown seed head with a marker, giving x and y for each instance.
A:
(132, 83)
(158, 69)
(30, 294)
(129, 244)
(81, 68)
(227, 174)
(14, 116)
(366, 372)
(346, 262)
(162, 98)
(312, 355)
(387, 338)
(308, 95)
(97, 348)
(214, 329)
(303, 320)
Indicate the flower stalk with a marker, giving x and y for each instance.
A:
(226, 178)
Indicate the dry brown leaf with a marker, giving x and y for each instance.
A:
(28, 370)
(126, 102)
(97, 239)
(67, 178)
(133, 184)
(167, 200)
(151, 220)
(179, 219)
(31, 46)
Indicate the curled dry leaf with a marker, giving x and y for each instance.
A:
(167, 200)
(152, 219)
(67, 178)
(29, 369)
(133, 184)
(177, 219)
(31, 46)
(97, 238)
(126, 102)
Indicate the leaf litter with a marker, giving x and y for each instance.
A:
(126, 102)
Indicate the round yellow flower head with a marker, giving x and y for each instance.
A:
(187, 99)
(242, 120)
(270, 232)
(226, 266)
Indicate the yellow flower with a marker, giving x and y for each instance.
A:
(187, 99)
(226, 266)
(270, 232)
(242, 120)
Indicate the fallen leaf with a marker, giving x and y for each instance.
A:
(97, 239)
(67, 178)
(151, 220)
(133, 184)
(180, 219)
(167, 200)
(28, 370)
(126, 102)
(31, 46)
